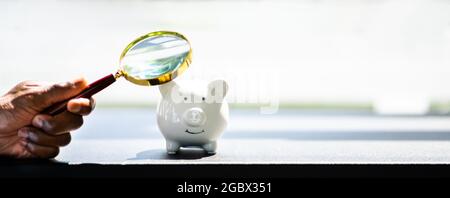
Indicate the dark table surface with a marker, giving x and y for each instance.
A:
(290, 143)
(131, 136)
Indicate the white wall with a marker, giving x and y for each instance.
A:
(323, 50)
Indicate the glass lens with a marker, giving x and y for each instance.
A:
(155, 56)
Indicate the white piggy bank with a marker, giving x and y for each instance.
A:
(192, 117)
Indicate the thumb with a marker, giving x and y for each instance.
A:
(61, 91)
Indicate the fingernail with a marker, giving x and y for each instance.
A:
(24, 143)
(76, 108)
(38, 121)
(79, 81)
(22, 133)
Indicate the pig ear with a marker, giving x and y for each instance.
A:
(218, 89)
(168, 88)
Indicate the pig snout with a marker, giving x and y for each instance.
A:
(194, 117)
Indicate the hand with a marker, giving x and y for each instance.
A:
(25, 133)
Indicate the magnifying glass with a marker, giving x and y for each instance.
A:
(152, 59)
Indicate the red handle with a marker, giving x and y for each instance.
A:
(92, 89)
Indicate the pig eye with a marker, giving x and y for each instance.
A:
(185, 98)
(203, 98)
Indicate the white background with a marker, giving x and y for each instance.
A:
(344, 51)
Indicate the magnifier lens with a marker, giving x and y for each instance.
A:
(155, 56)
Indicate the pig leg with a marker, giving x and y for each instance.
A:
(172, 147)
(211, 147)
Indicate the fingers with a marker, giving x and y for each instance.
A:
(81, 106)
(59, 124)
(66, 121)
(40, 144)
(59, 92)
(41, 151)
(39, 137)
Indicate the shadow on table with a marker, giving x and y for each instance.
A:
(161, 154)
